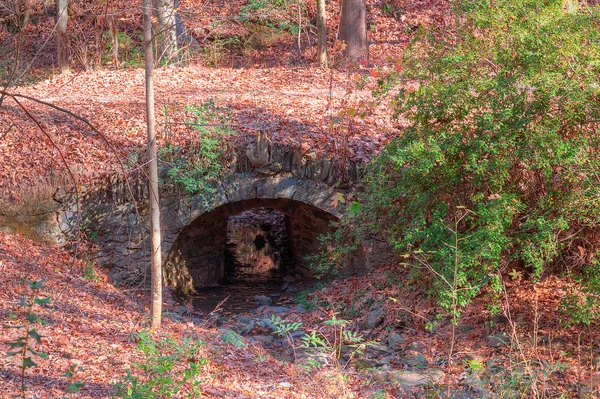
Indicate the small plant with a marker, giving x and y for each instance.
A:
(340, 335)
(131, 55)
(285, 329)
(475, 366)
(23, 343)
(214, 53)
(334, 247)
(200, 167)
(74, 386)
(303, 299)
(89, 273)
(169, 368)
(232, 338)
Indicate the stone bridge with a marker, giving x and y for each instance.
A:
(194, 228)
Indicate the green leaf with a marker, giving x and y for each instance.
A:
(36, 285)
(34, 334)
(354, 208)
(16, 344)
(40, 354)
(27, 362)
(42, 301)
(75, 387)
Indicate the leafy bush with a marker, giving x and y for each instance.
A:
(501, 142)
(170, 368)
(198, 168)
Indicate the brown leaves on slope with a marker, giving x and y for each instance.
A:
(292, 103)
(91, 326)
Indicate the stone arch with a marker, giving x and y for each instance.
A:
(195, 255)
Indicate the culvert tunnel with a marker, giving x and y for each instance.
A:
(244, 240)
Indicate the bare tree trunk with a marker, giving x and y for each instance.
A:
(62, 38)
(164, 10)
(321, 33)
(112, 27)
(353, 30)
(156, 277)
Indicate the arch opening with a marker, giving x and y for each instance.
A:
(258, 246)
(252, 242)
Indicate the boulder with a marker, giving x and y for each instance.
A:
(263, 300)
(412, 379)
(395, 340)
(374, 318)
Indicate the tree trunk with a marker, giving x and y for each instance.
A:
(156, 274)
(164, 10)
(62, 38)
(321, 33)
(184, 39)
(353, 30)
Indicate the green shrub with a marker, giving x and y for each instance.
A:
(501, 140)
(170, 368)
(199, 167)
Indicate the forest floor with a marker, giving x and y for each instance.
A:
(93, 329)
(326, 112)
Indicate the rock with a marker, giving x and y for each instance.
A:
(499, 319)
(267, 323)
(436, 375)
(376, 349)
(466, 327)
(395, 340)
(263, 300)
(416, 360)
(300, 309)
(313, 355)
(262, 339)
(292, 288)
(273, 309)
(284, 385)
(284, 358)
(275, 297)
(498, 340)
(417, 346)
(362, 364)
(289, 278)
(245, 319)
(375, 318)
(412, 379)
(284, 287)
(297, 334)
(386, 360)
(596, 362)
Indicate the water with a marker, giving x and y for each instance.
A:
(257, 254)
(238, 296)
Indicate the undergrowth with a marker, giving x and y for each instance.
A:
(198, 168)
(169, 368)
(502, 135)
